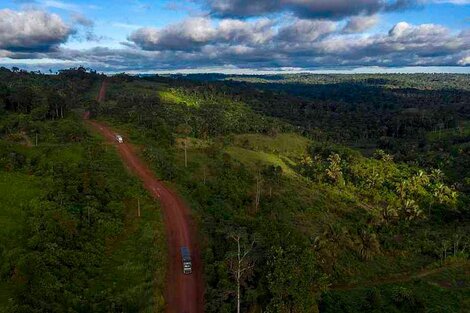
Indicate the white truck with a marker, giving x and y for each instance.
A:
(119, 138)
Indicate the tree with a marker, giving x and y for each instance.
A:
(379, 154)
(334, 169)
(184, 130)
(272, 174)
(241, 262)
(367, 244)
(259, 182)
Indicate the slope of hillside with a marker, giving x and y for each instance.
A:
(308, 213)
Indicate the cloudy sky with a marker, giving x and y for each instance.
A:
(237, 35)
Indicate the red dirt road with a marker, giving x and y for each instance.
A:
(184, 293)
(102, 93)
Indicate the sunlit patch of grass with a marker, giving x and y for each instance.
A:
(289, 144)
(174, 96)
(253, 158)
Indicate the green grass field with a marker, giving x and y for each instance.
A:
(289, 144)
(175, 96)
(253, 158)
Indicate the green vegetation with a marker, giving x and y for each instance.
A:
(345, 193)
(442, 292)
(255, 158)
(311, 214)
(18, 190)
(174, 96)
(288, 144)
(71, 239)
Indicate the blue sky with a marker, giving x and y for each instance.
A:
(236, 35)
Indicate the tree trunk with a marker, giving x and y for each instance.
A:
(238, 276)
(258, 192)
(185, 153)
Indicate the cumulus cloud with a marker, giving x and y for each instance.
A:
(193, 33)
(31, 30)
(404, 44)
(186, 35)
(359, 24)
(306, 44)
(260, 43)
(237, 31)
(302, 43)
(335, 9)
(304, 31)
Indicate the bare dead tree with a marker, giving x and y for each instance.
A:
(242, 263)
(184, 130)
(258, 190)
(185, 152)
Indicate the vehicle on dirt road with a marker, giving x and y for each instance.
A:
(186, 259)
(119, 138)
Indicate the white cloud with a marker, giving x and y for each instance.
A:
(182, 36)
(193, 33)
(31, 30)
(359, 24)
(305, 31)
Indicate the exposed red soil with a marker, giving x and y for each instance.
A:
(102, 94)
(184, 293)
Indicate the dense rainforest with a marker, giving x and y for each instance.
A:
(70, 239)
(345, 193)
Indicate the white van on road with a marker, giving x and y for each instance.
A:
(119, 138)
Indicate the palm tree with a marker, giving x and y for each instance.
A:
(368, 244)
(334, 169)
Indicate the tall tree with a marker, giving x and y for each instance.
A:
(184, 130)
(241, 261)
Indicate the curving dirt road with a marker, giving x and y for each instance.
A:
(184, 293)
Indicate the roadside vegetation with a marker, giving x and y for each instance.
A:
(71, 240)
